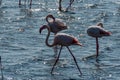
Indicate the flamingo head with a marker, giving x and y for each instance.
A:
(108, 34)
(64, 27)
(43, 27)
(50, 16)
(100, 24)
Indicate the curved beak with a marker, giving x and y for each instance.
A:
(41, 28)
(79, 44)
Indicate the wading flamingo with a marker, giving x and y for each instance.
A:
(61, 39)
(55, 25)
(97, 31)
(60, 5)
(30, 3)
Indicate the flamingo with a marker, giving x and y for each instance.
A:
(55, 25)
(60, 6)
(61, 39)
(30, 3)
(97, 31)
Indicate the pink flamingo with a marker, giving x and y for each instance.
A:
(55, 25)
(30, 3)
(97, 31)
(61, 39)
(60, 6)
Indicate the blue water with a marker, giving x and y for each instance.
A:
(26, 57)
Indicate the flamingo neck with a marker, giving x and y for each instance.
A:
(46, 41)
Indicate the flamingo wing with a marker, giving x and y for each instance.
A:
(96, 31)
(57, 26)
(65, 40)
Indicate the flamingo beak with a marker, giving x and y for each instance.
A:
(66, 27)
(80, 44)
(41, 28)
(110, 33)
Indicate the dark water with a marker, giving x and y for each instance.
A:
(26, 57)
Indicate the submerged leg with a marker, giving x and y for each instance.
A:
(2, 77)
(97, 47)
(56, 60)
(71, 1)
(97, 51)
(19, 2)
(60, 6)
(0, 2)
(75, 60)
(30, 3)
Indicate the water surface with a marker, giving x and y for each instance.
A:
(26, 57)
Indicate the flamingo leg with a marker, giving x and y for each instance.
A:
(2, 77)
(60, 6)
(56, 60)
(97, 47)
(19, 2)
(30, 3)
(74, 60)
(71, 1)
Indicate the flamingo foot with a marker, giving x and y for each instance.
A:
(89, 57)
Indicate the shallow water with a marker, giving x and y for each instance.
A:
(26, 57)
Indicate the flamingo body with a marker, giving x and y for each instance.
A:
(65, 40)
(97, 31)
(55, 25)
